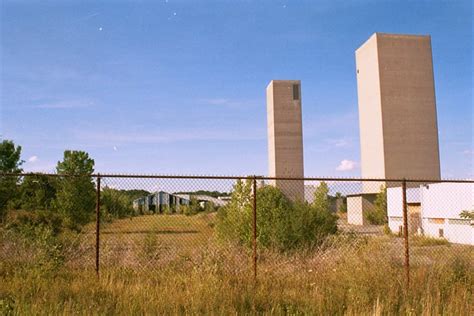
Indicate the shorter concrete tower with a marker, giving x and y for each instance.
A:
(285, 136)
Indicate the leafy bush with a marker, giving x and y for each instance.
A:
(37, 192)
(16, 220)
(423, 241)
(378, 215)
(281, 224)
(116, 204)
(193, 208)
(41, 243)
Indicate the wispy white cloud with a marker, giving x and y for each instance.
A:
(116, 138)
(346, 165)
(228, 102)
(340, 142)
(33, 159)
(65, 104)
(88, 16)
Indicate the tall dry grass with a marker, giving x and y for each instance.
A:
(346, 275)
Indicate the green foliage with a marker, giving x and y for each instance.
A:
(424, 241)
(75, 198)
(234, 219)
(44, 246)
(387, 230)
(210, 207)
(343, 206)
(281, 224)
(37, 192)
(321, 200)
(378, 215)
(193, 208)
(116, 203)
(51, 219)
(205, 192)
(467, 214)
(10, 162)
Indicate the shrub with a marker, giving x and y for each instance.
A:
(281, 224)
(16, 220)
(37, 192)
(423, 241)
(43, 246)
(193, 208)
(378, 215)
(115, 203)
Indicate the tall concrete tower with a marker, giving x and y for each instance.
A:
(285, 136)
(397, 109)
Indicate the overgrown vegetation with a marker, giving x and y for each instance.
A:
(173, 264)
(10, 162)
(378, 215)
(282, 224)
(467, 214)
(214, 194)
(346, 275)
(423, 241)
(76, 197)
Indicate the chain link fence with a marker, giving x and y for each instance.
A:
(283, 229)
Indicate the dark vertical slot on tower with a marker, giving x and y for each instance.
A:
(296, 92)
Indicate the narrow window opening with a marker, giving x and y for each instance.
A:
(296, 92)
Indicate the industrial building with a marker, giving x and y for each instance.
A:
(285, 136)
(159, 201)
(434, 210)
(397, 109)
(397, 115)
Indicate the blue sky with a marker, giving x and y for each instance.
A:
(178, 87)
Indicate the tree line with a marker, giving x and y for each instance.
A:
(68, 200)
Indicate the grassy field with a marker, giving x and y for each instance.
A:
(171, 264)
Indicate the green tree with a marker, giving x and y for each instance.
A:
(281, 224)
(75, 198)
(321, 199)
(378, 215)
(10, 162)
(343, 205)
(116, 203)
(37, 192)
(234, 219)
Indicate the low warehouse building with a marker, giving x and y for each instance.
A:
(439, 212)
(157, 202)
(442, 204)
(395, 210)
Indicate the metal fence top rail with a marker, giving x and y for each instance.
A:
(258, 177)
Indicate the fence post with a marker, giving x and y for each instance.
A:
(254, 228)
(97, 226)
(405, 233)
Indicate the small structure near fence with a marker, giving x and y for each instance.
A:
(434, 210)
(357, 207)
